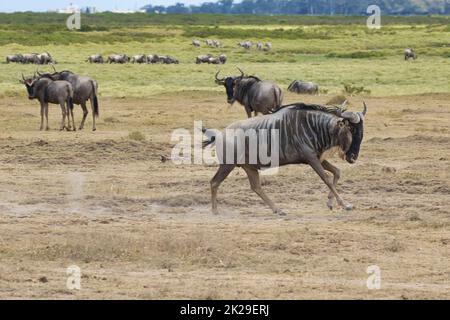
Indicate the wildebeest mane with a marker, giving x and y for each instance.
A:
(336, 110)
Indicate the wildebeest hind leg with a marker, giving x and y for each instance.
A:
(222, 174)
(336, 175)
(85, 114)
(255, 184)
(317, 166)
(63, 117)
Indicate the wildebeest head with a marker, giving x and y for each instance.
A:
(229, 83)
(351, 131)
(29, 84)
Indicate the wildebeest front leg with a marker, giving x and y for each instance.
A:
(63, 117)
(46, 117)
(222, 174)
(336, 175)
(85, 114)
(249, 111)
(42, 116)
(317, 166)
(255, 184)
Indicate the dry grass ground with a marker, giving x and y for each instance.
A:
(141, 228)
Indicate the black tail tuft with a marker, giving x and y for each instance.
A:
(96, 109)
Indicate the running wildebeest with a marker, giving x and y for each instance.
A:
(96, 58)
(410, 54)
(303, 87)
(308, 134)
(84, 89)
(254, 94)
(17, 58)
(48, 91)
(118, 58)
(140, 58)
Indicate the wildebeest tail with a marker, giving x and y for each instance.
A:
(211, 139)
(70, 97)
(96, 107)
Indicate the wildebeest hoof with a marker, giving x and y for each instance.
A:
(94, 129)
(348, 207)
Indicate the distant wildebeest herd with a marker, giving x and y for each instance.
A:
(31, 58)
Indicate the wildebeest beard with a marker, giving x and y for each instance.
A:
(357, 135)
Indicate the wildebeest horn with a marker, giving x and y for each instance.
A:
(54, 68)
(353, 117)
(23, 77)
(365, 108)
(217, 79)
(242, 72)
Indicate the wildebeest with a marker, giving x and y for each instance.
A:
(140, 58)
(96, 58)
(222, 59)
(17, 58)
(217, 44)
(48, 91)
(245, 44)
(267, 46)
(254, 94)
(308, 134)
(196, 43)
(410, 54)
(203, 58)
(152, 58)
(303, 87)
(118, 58)
(84, 89)
(168, 60)
(209, 42)
(259, 46)
(45, 58)
(30, 58)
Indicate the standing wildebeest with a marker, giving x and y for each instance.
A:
(49, 91)
(308, 134)
(254, 94)
(96, 58)
(168, 60)
(17, 58)
(140, 58)
(410, 54)
(118, 58)
(203, 58)
(303, 87)
(259, 46)
(245, 44)
(196, 43)
(84, 89)
(222, 59)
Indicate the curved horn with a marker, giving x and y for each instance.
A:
(365, 108)
(242, 72)
(54, 68)
(23, 77)
(217, 78)
(350, 116)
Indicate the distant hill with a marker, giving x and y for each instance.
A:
(312, 7)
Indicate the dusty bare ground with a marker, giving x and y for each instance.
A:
(141, 228)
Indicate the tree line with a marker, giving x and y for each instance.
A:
(308, 7)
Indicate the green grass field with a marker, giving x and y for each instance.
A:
(342, 51)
